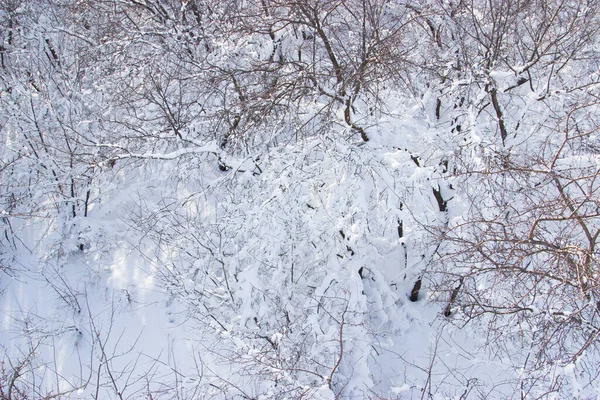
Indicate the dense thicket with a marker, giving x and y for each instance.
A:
(296, 174)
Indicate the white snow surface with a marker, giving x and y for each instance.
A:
(216, 284)
(279, 257)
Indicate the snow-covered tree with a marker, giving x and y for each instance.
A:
(330, 199)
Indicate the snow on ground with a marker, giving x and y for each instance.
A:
(195, 212)
(293, 282)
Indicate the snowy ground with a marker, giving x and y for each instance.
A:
(354, 200)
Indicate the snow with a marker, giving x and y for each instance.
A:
(187, 212)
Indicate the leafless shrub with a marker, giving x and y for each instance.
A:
(524, 262)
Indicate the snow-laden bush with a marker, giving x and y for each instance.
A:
(298, 260)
